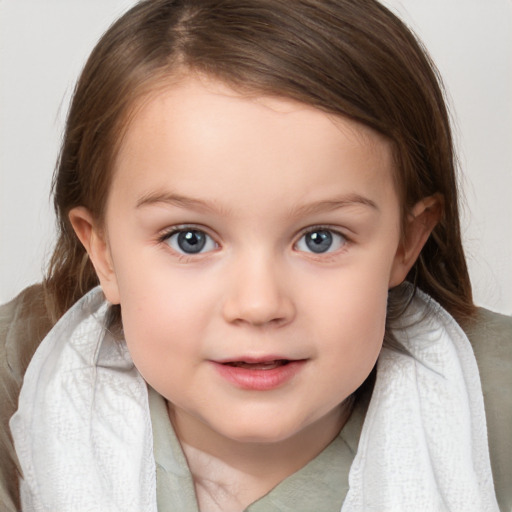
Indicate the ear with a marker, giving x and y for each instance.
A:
(421, 220)
(95, 243)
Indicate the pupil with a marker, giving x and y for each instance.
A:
(191, 241)
(319, 241)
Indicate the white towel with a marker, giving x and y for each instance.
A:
(83, 431)
(423, 446)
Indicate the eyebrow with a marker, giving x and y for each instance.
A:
(335, 204)
(176, 200)
(191, 203)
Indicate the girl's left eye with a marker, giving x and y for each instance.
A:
(319, 241)
(190, 241)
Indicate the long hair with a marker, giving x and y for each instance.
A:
(351, 58)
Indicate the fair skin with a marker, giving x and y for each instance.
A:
(251, 242)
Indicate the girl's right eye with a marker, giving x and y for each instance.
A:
(190, 241)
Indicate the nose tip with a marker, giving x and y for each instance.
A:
(259, 299)
(261, 314)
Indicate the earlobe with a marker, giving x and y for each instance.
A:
(421, 220)
(93, 239)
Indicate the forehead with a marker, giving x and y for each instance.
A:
(186, 97)
(201, 131)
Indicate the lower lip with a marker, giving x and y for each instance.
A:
(259, 380)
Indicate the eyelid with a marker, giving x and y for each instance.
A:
(165, 235)
(323, 227)
(320, 227)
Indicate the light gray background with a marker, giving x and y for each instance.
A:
(44, 43)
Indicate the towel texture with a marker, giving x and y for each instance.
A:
(82, 431)
(424, 440)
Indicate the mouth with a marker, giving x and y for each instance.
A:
(260, 374)
(259, 365)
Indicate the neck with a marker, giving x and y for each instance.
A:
(229, 474)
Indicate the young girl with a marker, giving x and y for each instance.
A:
(265, 193)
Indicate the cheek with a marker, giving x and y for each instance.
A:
(166, 317)
(361, 319)
(352, 324)
(158, 340)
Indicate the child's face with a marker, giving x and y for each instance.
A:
(251, 244)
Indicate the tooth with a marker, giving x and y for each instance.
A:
(262, 365)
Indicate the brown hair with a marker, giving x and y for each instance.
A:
(348, 57)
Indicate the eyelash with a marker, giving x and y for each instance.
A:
(327, 254)
(165, 236)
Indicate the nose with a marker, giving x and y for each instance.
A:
(258, 294)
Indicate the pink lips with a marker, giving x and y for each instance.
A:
(259, 375)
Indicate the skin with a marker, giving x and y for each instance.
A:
(254, 174)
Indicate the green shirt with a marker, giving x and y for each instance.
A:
(321, 484)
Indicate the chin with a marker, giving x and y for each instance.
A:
(259, 432)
